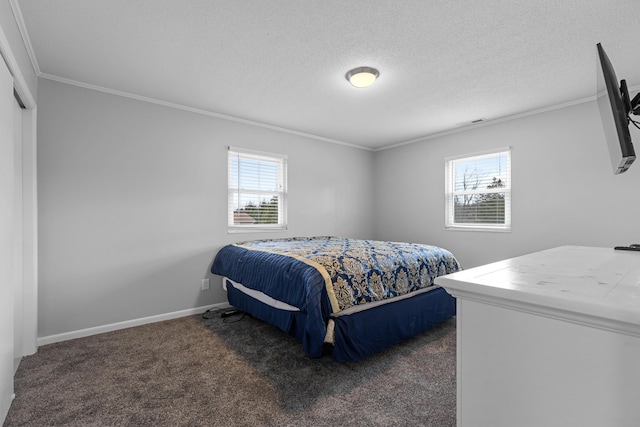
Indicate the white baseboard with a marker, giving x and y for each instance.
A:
(127, 324)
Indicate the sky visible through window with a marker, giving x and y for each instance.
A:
(480, 172)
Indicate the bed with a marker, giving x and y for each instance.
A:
(354, 296)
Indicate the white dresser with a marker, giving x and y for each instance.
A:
(549, 339)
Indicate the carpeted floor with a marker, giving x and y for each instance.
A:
(236, 371)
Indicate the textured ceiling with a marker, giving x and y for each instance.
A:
(282, 62)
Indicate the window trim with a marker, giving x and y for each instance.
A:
(282, 206)
(449, 194)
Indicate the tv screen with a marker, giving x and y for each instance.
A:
(612, 103)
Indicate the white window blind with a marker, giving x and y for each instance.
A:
(257, 190)
(478, 191)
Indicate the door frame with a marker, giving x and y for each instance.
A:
(30, 198)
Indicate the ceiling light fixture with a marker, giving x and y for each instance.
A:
(362, 76)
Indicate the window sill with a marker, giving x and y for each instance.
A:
(485, 228)
(236, 230)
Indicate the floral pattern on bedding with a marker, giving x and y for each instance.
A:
(364, 271)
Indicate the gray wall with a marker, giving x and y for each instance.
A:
(133, 198)
(564, 191)
(132, 203)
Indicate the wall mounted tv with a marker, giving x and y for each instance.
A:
(615, 108)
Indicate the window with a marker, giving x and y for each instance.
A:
(478, 191)
(257, 190)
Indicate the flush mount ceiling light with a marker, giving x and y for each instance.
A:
(362, 76)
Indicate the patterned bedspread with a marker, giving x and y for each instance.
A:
(362, 271)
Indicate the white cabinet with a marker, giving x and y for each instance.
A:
(549, 339)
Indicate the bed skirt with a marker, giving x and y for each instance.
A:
(362, 333)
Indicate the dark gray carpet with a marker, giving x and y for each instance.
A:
(195, 372)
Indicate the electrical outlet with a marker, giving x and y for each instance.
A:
(205, 284)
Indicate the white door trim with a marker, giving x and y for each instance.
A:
(30, 208)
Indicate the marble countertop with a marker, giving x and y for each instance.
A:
(598, 286)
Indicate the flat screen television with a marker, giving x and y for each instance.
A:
(615, 107)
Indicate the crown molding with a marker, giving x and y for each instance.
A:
(22, 27)
(196, 110)
(19, 82)
(483, 123)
